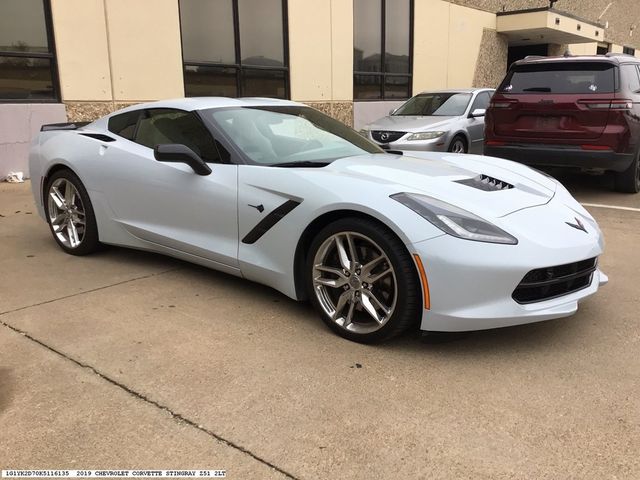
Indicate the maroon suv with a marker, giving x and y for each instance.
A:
(581, 111)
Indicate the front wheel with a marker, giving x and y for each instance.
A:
(363, 281)
(458, 145)
(70, 214)
(629, 180)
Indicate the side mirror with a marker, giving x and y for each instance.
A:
(478, 112)
(178, 153)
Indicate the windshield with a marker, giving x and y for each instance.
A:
(449, 104)
(278, 135)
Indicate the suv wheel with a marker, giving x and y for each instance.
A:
(629, 180)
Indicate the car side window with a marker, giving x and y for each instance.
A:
(167, 125)
(481, 101)
(630, 77)
(124, 124)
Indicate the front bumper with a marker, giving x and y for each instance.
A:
(471, 283)
(565, 157)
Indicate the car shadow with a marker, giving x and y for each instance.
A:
(521, 337)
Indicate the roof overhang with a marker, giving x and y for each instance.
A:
(547, 25)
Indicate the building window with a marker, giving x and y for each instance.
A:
(27, 59)
(382, 49)
(629, 50)
(235, 48)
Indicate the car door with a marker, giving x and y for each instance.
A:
(475, 125)
(168, 203)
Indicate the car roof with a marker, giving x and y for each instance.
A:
(458, 90)
(202, 103)
(616, 58)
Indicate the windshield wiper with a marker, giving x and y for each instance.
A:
(537, 89)
(300, 164)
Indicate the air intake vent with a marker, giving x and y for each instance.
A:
(486, 183)
(551, 282)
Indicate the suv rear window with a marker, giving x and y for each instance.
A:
(570, 77)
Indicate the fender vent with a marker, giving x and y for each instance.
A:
(99, 136)
(486, 183)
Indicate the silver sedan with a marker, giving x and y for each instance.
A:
(448, 120)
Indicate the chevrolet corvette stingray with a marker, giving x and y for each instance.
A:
(281, 194)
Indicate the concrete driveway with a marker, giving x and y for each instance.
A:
(131, 360)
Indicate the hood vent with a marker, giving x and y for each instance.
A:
(486, 183)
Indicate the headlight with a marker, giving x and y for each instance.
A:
(364, 132)
(453, 220)
(426, 135)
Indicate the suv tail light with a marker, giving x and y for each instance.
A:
(502, 103)
(607, 104)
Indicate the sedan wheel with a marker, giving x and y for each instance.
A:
(357, 278)
(70, 214)
(458, 145)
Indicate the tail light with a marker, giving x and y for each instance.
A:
(502, 103)
(607, 104)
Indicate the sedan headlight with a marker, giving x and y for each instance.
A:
(364, 132)
(453, 220)
(426, 135)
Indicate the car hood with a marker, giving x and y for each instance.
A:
(401, 123)
(486, 186)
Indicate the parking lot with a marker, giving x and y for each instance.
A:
(127, 360)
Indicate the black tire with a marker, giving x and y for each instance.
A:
(458, 140)
(408, 292)
(629, 180)
(89, 242)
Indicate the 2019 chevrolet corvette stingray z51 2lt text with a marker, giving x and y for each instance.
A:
(279, 193)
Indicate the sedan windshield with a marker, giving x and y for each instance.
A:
(289, 136)
(449, 104)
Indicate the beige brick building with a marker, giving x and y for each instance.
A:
(354, 59)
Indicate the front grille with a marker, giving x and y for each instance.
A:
(386, 136)
(551, 282)
(486, 183)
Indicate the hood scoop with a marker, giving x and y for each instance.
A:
(486, 183)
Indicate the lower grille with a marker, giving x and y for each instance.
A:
(551, 282)
(386, 136)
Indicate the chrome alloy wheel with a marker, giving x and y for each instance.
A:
(458, 146)
(354, 282)
(66, 213)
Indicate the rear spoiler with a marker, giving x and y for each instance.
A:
(63, 126)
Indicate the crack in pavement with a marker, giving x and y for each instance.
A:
(90, 291)
(176, 416)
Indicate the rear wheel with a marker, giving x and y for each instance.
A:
(362, 281)
(629, 180)
(70, 214)
(458, 145)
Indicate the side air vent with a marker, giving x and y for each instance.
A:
(99, 136)
(486, 183)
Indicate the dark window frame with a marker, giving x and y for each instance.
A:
(238, 66)
(629, 50)
(382, 73)
(50, 55)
